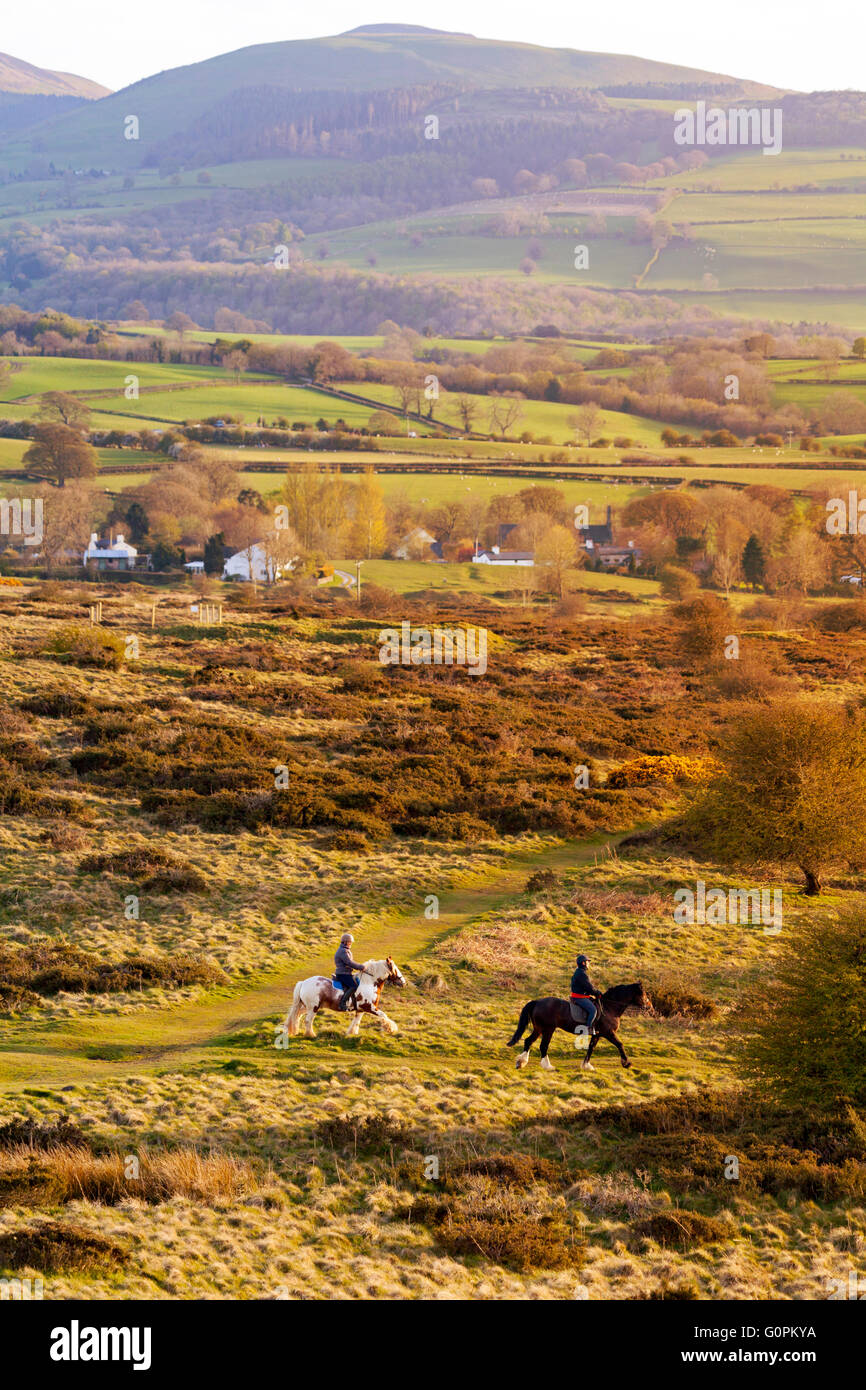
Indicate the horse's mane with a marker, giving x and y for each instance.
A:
(619, 992)
(372, 964)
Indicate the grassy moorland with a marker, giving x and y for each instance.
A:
(161, 891)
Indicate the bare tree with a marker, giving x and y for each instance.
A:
(62, 408)
(504, 411)
(281, 549)
(557, 554)
(244, 528)
(66, 523)
(587, 421)
(522, 582)
(466, 409)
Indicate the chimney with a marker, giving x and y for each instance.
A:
(609, 513)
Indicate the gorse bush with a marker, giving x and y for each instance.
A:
(679, 1229)
(806, 1038)
(42, 1134)
(484, 1216)
(89, 646)
(49, 968)
(669, 767)
(705, 622)
(55, 1245)
(154, 868)
(365, 1134)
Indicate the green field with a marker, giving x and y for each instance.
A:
(408, 576)
(545, 418)
(791, 167)
(32, 376)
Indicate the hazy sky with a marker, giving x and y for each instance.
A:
(789, 43)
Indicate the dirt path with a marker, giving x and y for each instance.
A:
(72, 1051)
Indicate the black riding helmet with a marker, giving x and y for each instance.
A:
(583, 960)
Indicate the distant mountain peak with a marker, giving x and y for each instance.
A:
(405, 29)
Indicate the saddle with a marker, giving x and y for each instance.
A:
(580, 1016)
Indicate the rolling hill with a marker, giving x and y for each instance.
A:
(26, 80)
(186, 184)
(370, 59)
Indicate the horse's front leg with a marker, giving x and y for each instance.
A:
(612, 1038)
(545, 1044)
(587, 1061)
(387, 1023)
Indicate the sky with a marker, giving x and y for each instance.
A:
(787, 43)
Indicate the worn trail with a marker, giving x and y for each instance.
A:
(69, 1051)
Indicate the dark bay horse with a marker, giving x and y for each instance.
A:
(546, 1015)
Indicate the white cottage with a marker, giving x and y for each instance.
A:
(254, 563)
(110, 555)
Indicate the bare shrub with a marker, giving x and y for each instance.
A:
(67, 1173)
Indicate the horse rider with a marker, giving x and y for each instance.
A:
(585, 997)
(343, 967)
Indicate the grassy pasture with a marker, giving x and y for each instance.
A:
(80, 374)
(612, 264)
(791, 167)
(546, 418)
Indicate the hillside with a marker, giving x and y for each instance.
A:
(168, 103)
(26, 80)
(324, 147)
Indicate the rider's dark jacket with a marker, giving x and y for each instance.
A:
(582, 984)
(343, 963)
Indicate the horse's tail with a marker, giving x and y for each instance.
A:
(523, 1023)
(295, 1011)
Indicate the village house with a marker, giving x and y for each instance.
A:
(114, 554)
(495, 556)
(600, 534)
(254, 563)
(614, 557)
(418, 545)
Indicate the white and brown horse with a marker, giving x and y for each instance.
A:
(319, 992)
